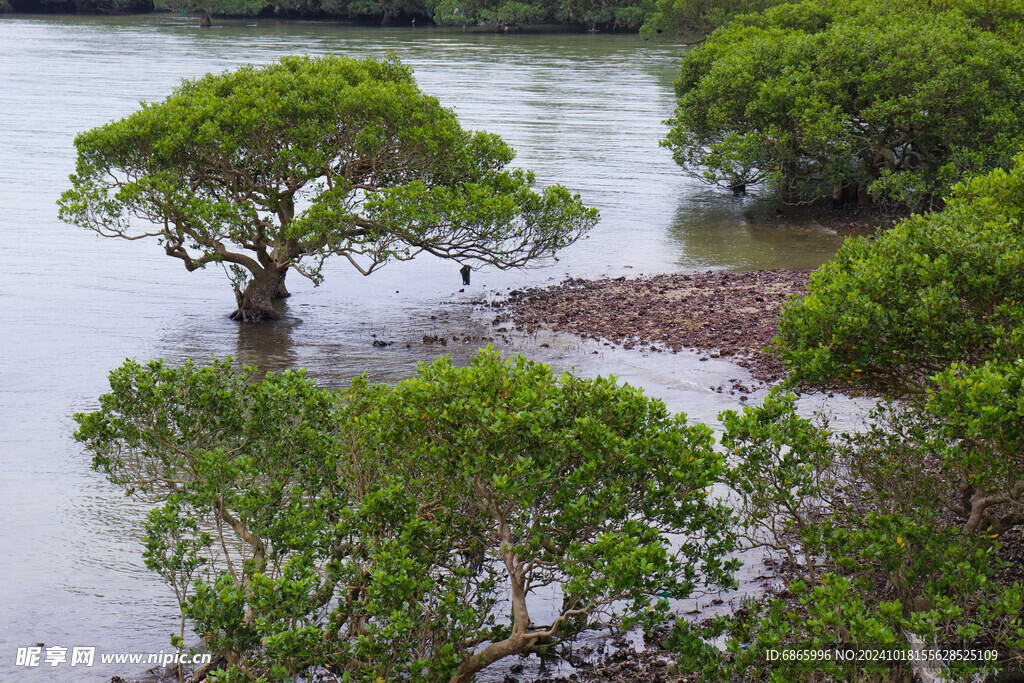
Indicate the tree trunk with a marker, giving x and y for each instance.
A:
(517, 642)
(467, 672)
(282, 291)
(863, 198)
(255, 304)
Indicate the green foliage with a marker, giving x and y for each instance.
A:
(384, 9)
(930, 311)
(491, 13)
(958, 606)
(934, 290)
(676, 19)
(222, 7)
(898, 100)
(386, 532)
(278, 167)
(497, 14)
(103, 6)
(78, 6)
(781, 470)
(893, 569)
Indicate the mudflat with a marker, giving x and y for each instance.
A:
(721, 314)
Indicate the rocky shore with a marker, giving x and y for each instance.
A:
(721, 314)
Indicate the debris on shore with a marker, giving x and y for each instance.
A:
(721, 314)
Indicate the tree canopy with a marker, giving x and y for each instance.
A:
(671, 19)
(686, 19)
(894, 101)
(494, 15)
(936, 289)
(895, 533)
(866, 545)
(271, 169)
(499, 14)
(402, 533)
(930, 312)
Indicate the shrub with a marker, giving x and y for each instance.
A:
(400, 532)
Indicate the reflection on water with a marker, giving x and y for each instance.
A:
(747, 233)
(582, 110)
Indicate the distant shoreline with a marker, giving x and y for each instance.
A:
(34, 8)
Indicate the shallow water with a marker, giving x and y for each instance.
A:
(582, 110)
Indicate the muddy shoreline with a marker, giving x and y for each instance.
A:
(720, 314)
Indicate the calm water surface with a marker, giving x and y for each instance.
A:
(582, 110)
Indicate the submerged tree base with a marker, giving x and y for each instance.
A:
(251, 315)
(256, 303)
